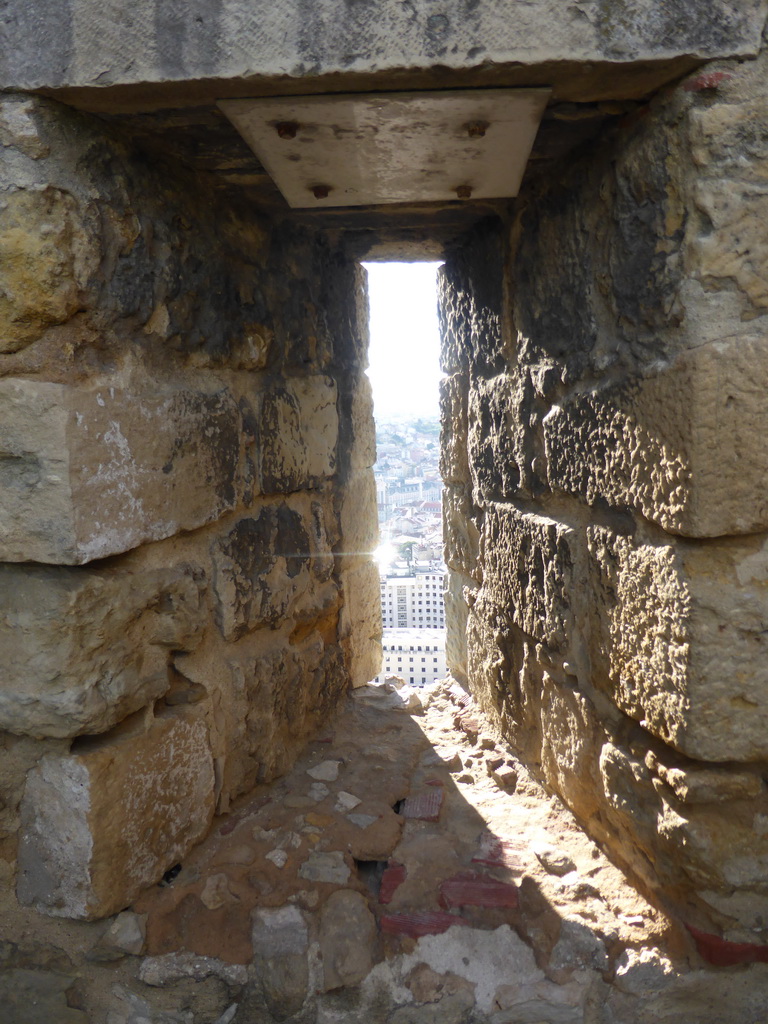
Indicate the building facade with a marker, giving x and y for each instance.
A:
(413, 602)
(416, 655)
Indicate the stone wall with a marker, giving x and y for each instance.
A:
(223, 47)
(604, 420)
(186, 503)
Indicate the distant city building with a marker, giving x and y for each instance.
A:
(413, 601)
(416, 655)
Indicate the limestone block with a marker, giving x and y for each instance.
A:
(454, 467)
(361, 426)
(359, 519)
(261, 567)
(83, 648)
(459, 593)
(530, 568)
(103, 822)
(495, 438)
(269, 693)
(280, 946)
(490, 668)
(716, 850)
(46, 257)
(360, 622)
(571, 739)
(38, 997)
(682, 445)
(727, 138)
(61, 48)
(454, 308)
(299, 432)
(348, 939)
(679, 636)
(461, 537)
(87, 472)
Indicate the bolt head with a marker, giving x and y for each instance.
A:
(286, 129)
(320, 191)
(463, 191)
(476, 129)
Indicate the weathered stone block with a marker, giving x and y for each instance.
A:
(360, 622)
(260, 569)
(570, 737)
(460, 591)
(359, 519)
(454, 393)
(348, 939)
(361, 426)
(38, 997)
(299, 432)
(102, 823)
(682, 445)
(87, 472)
(495, 438)
(454, 307)
(461, 537)
(711, 849)
(268, 694)
(680, 630)
(46, 259)
(83, 648)
(530, 568)
(280, 945)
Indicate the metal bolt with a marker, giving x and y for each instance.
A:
(464, 191)
(320, 191)
(476, 129)
(286, 129)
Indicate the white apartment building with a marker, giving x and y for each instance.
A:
(413, 602)
(416, 655)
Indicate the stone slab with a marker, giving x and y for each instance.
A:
(104, 822)
(82, 648)
(69, 44)
(88, 472)
(682, 445)
(679, 634)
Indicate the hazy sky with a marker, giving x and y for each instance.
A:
(404, 353)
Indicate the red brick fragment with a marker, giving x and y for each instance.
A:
(459, 696)
(498, 853)
(424, 806)
(709, 80)
(470, 889)
(393, 877)
(468, 724)
(427, 922)
(722, 953)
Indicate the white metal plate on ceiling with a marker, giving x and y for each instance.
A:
(377, 148)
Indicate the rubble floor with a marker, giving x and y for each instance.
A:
(407, 870)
